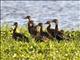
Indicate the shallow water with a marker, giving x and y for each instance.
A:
(68, 12)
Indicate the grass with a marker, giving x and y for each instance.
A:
(52, 50)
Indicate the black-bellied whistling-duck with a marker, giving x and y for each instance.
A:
(50, 31)
(58, 34)
(18, 36)
(43, 35)
(31, 27)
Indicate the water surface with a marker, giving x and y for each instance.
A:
(68, 12)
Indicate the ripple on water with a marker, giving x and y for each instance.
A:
(41, 11)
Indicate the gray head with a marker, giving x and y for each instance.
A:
(48, 22)
(15, 24)
(27, 17)
(55, 20)
(40, 24)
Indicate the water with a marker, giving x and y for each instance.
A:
(68, 12)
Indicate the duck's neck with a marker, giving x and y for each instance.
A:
(29, 19)
(30, 23)
(15, 29)
(48, 26)
(41, 29)
(56, 27)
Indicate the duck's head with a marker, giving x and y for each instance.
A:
(40, 24)
(15, 24)
(55, 20)
(48, 22)
(27, 17)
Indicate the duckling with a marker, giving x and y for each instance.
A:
(50, 31)
(18, 36)
(31, 27)
(43, 35)
(58, 34)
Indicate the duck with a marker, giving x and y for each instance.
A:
(49, 30)
(43, 35)
(31, 26)
(18, 36)
(58, 33)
